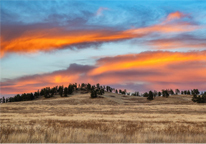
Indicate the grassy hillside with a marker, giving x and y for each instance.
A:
(109, 118)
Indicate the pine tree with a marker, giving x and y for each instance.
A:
(150, 96)
(177, 91)
(65, 91)
(93, 94)
(4, 100)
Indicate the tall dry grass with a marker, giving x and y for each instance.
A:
(52, 131)
(112, 119)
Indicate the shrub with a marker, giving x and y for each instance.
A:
(93, 94)
(199, 99)
(150, 96)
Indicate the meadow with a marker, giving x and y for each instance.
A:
(111, 118)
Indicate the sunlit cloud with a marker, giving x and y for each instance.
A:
(174, 16)
(31, 83)
(146, 70)
(145, 60)
(169, 44)
(50, 39)
(181, 41)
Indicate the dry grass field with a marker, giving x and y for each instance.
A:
(113, 118)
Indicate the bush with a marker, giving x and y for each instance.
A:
(150, 96)
(199, 99)
(93, 94)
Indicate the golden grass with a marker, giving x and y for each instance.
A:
(111, 119)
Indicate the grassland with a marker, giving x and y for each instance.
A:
(113, 118)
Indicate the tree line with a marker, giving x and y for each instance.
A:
(97, 89)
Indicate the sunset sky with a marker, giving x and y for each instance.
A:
(134, 45)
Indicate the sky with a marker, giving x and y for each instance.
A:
(126, 44)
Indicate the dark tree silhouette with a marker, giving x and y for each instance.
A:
(3, 100)
(165, 93)
(145, 94)
(89, 87)
(199, 98)
(150, 95)
(155, 93)
(93, 94)
(177, 91)
(65, 91)
(171, 92)
(188, 92)
(98, 86)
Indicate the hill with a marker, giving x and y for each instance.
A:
(109, 118)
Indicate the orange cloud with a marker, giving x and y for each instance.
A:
(176, 44)
(154, 70)
(34, 82)
(184, 41)
(149, 70)
(173, 16)
(145, 60)
(59, 38)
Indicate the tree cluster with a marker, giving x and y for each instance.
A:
(98, 90)
(198, 98)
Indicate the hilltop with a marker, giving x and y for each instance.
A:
(109, 98)
(109, 118)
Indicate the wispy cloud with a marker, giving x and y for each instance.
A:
(47, 39)
(100, 11)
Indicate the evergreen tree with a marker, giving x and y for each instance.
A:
(102, 91)
(108, 88)
(199, 99)
(70, 89)
(42, 92)
(98, 86)
(46, 93)
(188, 92)
(65, 91)
(93, 94)
(145, 94)
(171, 92)
(31, 96)
(125, 91)
(4, 100)
(82, 86)
(61, 92)
(88, 87)
(150, 96)
(155, 93)
(165, 93)
(177, 91)
(116, 91)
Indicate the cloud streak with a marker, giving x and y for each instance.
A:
(56, 38)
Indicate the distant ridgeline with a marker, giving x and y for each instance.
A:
(98, 90)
